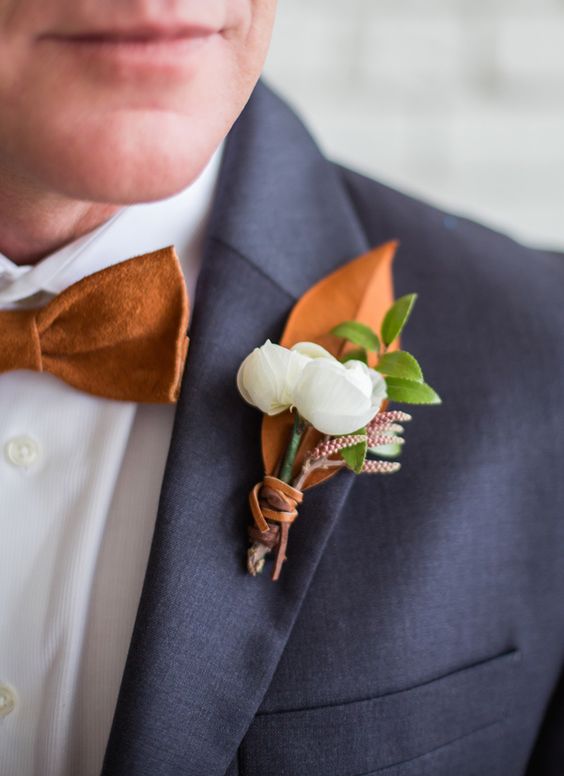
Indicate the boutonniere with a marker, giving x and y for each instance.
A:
(324, 392)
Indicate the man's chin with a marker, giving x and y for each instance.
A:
(129, 189)
(143, 164)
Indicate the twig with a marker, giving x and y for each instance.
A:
(311, 466)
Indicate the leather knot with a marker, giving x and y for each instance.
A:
(274, 508)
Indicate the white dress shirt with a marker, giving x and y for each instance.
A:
(80, 478)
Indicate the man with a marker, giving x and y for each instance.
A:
(418, 626)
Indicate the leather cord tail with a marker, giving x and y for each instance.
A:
(274, 508)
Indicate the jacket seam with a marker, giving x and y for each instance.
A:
(513, 652)
(434, 749)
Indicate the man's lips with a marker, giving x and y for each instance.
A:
(141, 34)
(170, 49)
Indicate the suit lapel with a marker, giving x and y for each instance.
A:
(208, 637)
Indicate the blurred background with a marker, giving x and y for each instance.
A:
(459, 102)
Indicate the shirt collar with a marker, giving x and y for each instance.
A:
(179, 220)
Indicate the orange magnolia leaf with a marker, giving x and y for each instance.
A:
(362, 291)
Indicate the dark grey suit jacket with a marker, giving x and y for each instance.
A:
(418, 627)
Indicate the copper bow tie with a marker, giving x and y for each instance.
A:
(119, 333)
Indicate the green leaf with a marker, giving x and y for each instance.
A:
(358, 333)
(356, 355)
(387, 451)
(400, 364)
(396, 318)
(410, 391)
(355, 456)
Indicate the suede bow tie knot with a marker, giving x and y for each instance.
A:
(120, 333)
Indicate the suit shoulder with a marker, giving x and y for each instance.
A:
(514, 289)
(384, 210)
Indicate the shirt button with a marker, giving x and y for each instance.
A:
(22, 451)
(7, 700)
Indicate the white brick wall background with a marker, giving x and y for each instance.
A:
(460, 102)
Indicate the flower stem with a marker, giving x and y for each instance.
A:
(292, 449)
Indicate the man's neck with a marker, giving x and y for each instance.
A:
(34, 224)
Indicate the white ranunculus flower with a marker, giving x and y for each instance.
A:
(268, 376)
(337, 398)
(312, 350)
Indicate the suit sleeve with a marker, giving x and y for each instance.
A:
(548, 754)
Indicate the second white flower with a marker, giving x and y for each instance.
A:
(338, 398)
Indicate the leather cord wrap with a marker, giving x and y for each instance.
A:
(274, 508)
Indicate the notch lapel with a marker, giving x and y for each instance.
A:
(208, 637)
